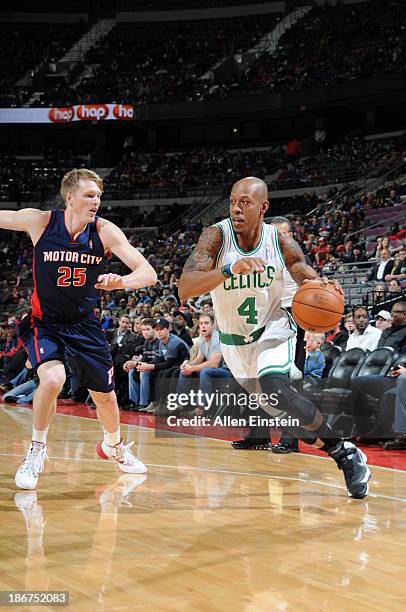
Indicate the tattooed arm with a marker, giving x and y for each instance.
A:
(199, 275)
(297, 266)
(295, 260)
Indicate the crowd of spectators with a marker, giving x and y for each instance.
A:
(329, 45)
(35, 176)
(31, 48)
(153, 336)
(350, 158)
(214, 168)
(164, 62)
(210, 168)
(160, 62)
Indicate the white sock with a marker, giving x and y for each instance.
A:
(112, 438)
(39, 435)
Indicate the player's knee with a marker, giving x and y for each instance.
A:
(275, 383)
(53, 381)
(278, 387)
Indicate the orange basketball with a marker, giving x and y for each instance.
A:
(317, 307)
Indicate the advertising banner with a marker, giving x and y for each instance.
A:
(68, 114)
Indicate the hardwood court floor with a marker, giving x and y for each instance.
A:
(208, 528)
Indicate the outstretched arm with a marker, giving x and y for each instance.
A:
(199, 275)
(29, 220)
(295, 260)
(115, 240)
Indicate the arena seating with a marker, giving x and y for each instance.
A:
(161, 62)
(329, 46)
(164, 62)
(28, 47)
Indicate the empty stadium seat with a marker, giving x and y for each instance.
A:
(378, 362)
(335, 400)
(331, 352)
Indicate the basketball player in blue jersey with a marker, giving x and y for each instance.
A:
(70, 250)
(241, 261)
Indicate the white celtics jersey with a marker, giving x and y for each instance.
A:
(246, 303)
(290, 288)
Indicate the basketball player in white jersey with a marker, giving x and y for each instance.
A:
(241, 261)
(258, 438)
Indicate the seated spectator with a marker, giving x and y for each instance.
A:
(382, 268)
(123, 344)
(172, 353)
(107, 321)
(122, 335)
(364, 336)
(208, 364)
(349, 324)
(138, 381)
(395, 335)
(194, 332)
(394, 287)
(399, 443)
(13, 355)
(398, 271)
(181, 327)
(376, 385)
(339, 336)
(360, 259)
(22, 387)
(348, 254)
(314, 362)
(383, 320)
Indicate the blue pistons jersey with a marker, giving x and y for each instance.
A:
(65, 272)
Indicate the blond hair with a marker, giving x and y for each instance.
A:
(317, 336)
(70, 181)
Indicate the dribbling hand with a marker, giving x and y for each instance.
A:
(326, 281)
(245, 265)
(107, 282)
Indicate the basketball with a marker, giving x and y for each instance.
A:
(317, 307)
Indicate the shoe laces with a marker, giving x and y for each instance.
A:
(341, 456)
(124, 455)
(35, 459)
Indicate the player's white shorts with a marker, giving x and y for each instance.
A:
(273, 352)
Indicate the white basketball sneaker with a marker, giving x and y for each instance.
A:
(121, 454)
(27, 474)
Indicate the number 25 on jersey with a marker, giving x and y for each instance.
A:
(68, 276)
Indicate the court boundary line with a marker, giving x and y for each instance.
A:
(225, 471)
(187, 435)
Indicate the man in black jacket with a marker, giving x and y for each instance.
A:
(376, 385)
(121, 336)
(172, 352)
(139, 382)
(181, 328)
(382, 268)
(395, 336)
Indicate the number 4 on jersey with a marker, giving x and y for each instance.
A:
(247, 309)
